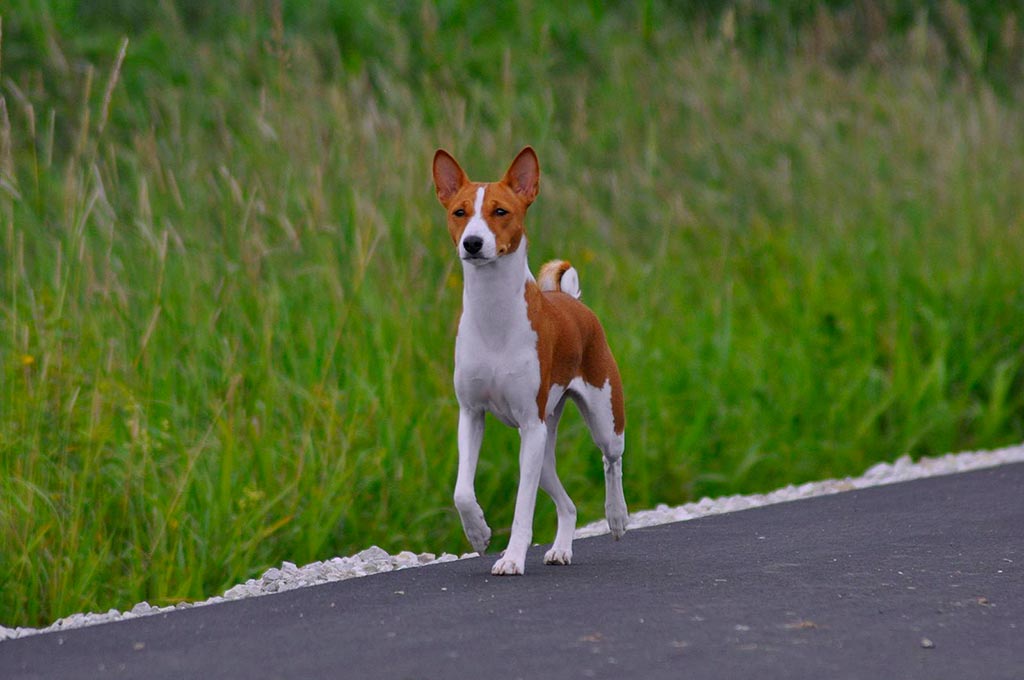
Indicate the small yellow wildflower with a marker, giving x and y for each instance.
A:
(27, 360)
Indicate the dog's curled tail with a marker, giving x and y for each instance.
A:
(559, 275)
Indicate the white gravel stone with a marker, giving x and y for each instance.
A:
(375, 560)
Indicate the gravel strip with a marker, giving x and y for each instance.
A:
(375, 560)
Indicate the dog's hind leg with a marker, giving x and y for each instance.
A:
(596, 406)
(561, 550)
(614, 499)
(471, 433)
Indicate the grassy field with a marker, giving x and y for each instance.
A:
(228, 300)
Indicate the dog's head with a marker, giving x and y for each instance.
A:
(485, 220)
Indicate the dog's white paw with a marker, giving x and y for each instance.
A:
(508, 566)
(479, 535)
(474, 526)
(617, 521)
(558, 556)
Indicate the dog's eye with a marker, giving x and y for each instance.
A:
(500, 212)
(459, 213)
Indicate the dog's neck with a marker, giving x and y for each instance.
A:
(493, 296)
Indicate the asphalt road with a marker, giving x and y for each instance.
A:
(916, 580)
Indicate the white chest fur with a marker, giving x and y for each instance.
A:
(496, 364)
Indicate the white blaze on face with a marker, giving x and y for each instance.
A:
(477, 226)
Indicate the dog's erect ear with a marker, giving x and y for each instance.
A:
(523, 176)
(448, 176)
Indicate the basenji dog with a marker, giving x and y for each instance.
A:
(523, 348)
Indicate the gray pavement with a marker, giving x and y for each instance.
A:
(915, 580)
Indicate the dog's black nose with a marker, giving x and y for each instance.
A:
(472, 244)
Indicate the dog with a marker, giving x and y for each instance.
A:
(523, 348)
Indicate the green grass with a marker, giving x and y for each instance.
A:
(228, 300)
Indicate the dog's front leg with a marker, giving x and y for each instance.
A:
(531, 462)
(471, 433)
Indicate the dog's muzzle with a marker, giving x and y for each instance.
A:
(472, 245)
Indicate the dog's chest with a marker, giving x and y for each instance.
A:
(496, 365)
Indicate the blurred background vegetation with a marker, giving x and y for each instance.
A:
(228, 301)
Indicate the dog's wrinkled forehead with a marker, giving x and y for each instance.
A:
(477, 197)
